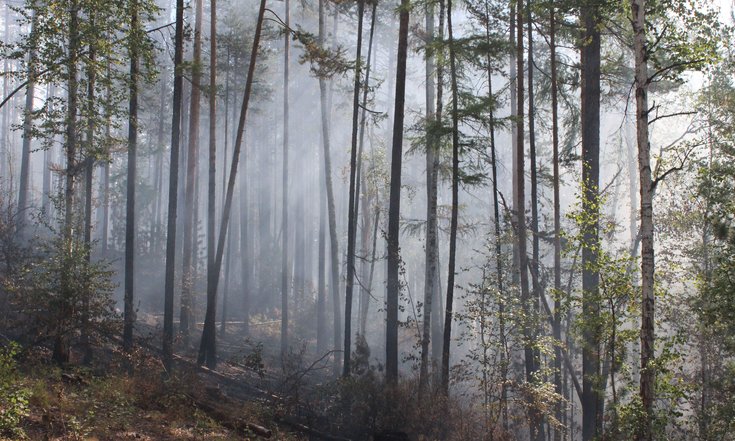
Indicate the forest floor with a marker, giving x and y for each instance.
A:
(118, 399)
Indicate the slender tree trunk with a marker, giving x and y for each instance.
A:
(557, 219)
(352, 206)
(157, 227)
(590, 111)
(186, 321)
(61, 345)
(321, 301)
(394, 207)
(520, 208)
(208, 348)
(25, 159)
(330, 199)
(130, 204)
(213, 272)
(431, 201)
(496, 218)
(168, 315)
(362, 188)
(5, 110)
(437, 323)
(515, 146)
(448, 311)
(284, 194)
(245, 246)
(648, 374)
(537, 426)
(88, 176)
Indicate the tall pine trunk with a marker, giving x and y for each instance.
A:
(557, 220)
(331, 216)
(592, 397)
(173, 186)
(437, 323)
(353, 198)
(394, 205)
(25, 159)
(431, 200)
(361, 182)
(186, 321)
(448, 310)
(207, 347)
(537, 427)
(284, 194)
(130, 201)
(503, 411)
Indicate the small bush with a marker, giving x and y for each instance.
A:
(13, 396)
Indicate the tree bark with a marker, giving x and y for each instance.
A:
(557, 218)
(25, 159)
(284, 194)
(394, 258)
(437, 323)
(186, 320)
(361, 182)
(537, 426)
(352, 204)
(448, 310)
(590, 111)
(208, 348)
(431, 201)
(331, 216)
(61, 344)
(130, 201)
(648, 374)
(168, 314)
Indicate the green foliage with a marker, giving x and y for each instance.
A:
(13, 395)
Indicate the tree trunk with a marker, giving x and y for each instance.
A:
(431, 201)
(330, 200)
(352, 205)
(61, 344)
(168, 314)
(496, 219)
(455, 207)
(208, 348)
(394, 258)
(207, 352)
(361, 187)
(88, 176)
(284, 194)
(25, 159)
(186, 321)
(648, 374)
(130, 201)
(245, 256)
(437, 323)
(590, 111)
(557, 219)
(537, 426)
